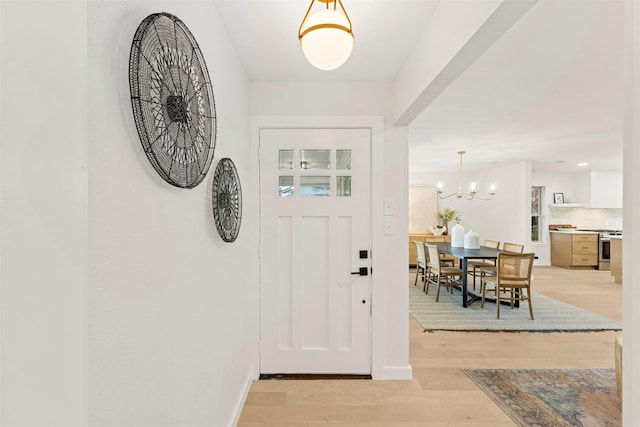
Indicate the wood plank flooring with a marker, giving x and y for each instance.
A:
(440, 394)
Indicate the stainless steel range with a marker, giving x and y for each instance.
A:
(604, 247)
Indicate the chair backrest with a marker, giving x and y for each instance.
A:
(513, 247)
(494, 244)
(434, 258)
(514, 268)
(426, 252)
(420, 258)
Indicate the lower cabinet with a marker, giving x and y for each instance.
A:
(574, 250)
(616, 259)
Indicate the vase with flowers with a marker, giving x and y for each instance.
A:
(447, 215)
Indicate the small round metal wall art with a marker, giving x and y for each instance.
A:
(227, 200)
(172, 100)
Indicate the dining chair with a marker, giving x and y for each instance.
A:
(427, 276)
(444, 262)
(513, 247)
(512, 281)
(474, 266)
(421, 262)
(441, 273)
(490, 270)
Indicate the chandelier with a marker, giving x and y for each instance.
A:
(326, 37)
(471, 194)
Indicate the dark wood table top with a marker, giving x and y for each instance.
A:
(462, 253)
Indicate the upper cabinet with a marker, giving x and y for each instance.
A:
(601, 189)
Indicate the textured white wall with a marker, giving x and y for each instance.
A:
(173, 310)
(43, 227)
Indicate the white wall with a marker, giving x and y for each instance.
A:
(390, 252)
(43, 224)
(505, 218)
(631, 242)
(173, 310)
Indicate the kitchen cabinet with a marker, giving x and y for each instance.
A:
(616, 258)
(600, 189)
(574, 249)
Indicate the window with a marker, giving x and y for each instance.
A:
(321, 172)
(536, 211)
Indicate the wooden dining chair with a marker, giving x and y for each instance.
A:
(444, 262)
(512, 281)
(441, 274)
(513, 247)
(421, 262)
(474, 266)
(490, 270)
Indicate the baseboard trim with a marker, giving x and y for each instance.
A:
(394, 373)
(243, 398)
(314, 377)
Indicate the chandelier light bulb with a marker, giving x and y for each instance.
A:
(470, 195)
(326, 37)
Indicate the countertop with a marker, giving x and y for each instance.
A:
(573, 232)
(615, 237)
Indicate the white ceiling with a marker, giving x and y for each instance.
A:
(550, 90)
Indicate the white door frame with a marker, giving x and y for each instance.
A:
(376, 124)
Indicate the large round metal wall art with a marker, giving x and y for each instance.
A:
(227, 200)
(172, 100)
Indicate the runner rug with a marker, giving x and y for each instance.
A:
(550, 315)
(553, 397)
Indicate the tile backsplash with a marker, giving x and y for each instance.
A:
(587, 217)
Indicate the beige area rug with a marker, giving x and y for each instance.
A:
(550, 315)
(553, 397)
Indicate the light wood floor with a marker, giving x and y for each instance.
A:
(440, 394)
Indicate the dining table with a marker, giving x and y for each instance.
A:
(465, 254)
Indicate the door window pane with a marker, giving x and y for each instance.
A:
(315, 186)
(286, 159)
(286, 188)
(343, 186)
(315, 159)
(343, 159)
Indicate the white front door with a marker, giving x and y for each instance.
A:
(315, 219)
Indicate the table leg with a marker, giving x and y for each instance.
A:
(463, 267)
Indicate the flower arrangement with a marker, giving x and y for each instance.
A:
(447, 215)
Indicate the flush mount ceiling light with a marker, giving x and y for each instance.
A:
(326, 37)
(471, 194)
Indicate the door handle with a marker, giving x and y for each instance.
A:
(363, 271)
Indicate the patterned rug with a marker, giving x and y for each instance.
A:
(553, 397)
(550, 315)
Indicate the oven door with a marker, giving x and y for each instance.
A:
(605, 249)
(604, 254)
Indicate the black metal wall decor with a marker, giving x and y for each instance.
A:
(227, 200)
(172, 100)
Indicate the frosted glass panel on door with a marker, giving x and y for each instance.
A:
(285, 186)
(315, 159)
(343, 159)
(343, 186)
(286, 159)
(315, 186)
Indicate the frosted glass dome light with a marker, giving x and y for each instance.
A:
(326, 38)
